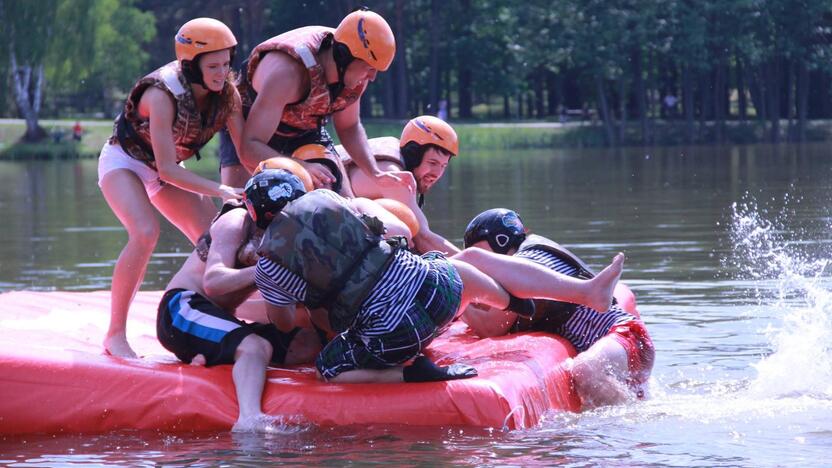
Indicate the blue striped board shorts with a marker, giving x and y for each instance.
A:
(432, 310)
(189, 324)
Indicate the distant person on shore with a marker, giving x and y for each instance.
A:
(442, 113)
(670, 102)
(297, 80)
(425, 148)
(615, 352)
(168, 116)
(196, 318)
(77, 131)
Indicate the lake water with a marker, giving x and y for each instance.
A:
(727, 251)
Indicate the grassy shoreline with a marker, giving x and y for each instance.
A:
(473, 136)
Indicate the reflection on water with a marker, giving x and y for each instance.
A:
(727, 250)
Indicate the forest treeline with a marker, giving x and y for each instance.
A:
(629, 65)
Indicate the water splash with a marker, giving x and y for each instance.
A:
(790, 283)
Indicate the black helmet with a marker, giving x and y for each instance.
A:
(268, 192)
(502, 228)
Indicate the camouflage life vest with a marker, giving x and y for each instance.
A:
(552, 314)
(191, 128)
(340, 254)
(310, 113)
(251, 240)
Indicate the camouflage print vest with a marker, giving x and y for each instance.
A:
(339, 253)
(311, 112)
(191, 129)
(382, 148)
(552, 314)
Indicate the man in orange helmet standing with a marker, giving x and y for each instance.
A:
(299, 79)
(425, 148)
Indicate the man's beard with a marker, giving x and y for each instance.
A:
(421, 188)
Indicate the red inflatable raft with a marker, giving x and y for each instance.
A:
(54, 378)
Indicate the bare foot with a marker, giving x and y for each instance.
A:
(118, 346)
(198, 360)
(259, 423)
(603, 285)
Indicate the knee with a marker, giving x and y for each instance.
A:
(145, 234)
(584, 372)
(255, 346)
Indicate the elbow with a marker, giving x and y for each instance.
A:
(211, 285)
(166, 172)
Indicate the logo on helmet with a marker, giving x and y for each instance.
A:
(511, 220)
(362, 34)
(278, 192)
(502, 240)
(183, 40)
(422, 126)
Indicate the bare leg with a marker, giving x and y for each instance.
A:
(127, 198)
(190, 213)
(600, 374)
(479, 288)
(529, 280)
(249, 372)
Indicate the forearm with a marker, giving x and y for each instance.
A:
(255, 150)
(178, 176)
(428, 240)
(224, 280)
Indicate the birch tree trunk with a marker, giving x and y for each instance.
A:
(27, 95)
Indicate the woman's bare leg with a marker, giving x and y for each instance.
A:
(126, 196)
(189, 212)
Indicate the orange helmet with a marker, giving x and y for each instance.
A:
(315, 153)
(401, 211)
(310, 151)
(368, 37)
(430, 130)
(282, 162)
(202, 35)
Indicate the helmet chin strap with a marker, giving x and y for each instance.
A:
(190, 68)
(342, 57)
(192, 73)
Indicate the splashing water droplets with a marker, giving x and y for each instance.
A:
(788, 269)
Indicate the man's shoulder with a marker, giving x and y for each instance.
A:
(229, 222)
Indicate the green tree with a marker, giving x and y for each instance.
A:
(28, 30)
(72, 45)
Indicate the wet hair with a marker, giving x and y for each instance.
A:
(413, 153)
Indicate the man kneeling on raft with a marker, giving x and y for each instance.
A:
(615, 352)
(196, 318)
(385, 303)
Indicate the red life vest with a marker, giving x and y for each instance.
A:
(191, 128)
(302, 44)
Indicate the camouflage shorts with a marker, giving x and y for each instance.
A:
(432, 310)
